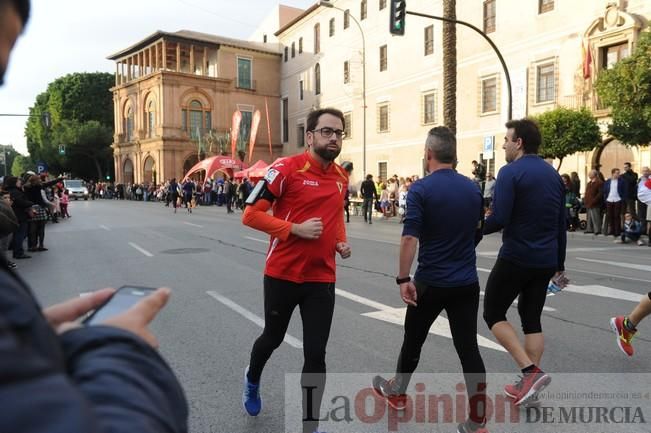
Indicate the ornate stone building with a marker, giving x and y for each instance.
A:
(175, 95)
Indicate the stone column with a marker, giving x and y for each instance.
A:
(156, 67)
(178, 57)
(204, 67)
(192, 59)
(117, 73)
(129, 69)
(163, 55)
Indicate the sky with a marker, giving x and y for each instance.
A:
(66, 36)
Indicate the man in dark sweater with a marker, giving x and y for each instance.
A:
(529, 206)
(446, 277)
(368, 194)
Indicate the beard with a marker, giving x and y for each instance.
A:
(327, 154)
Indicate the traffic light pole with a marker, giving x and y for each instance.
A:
(492, 44)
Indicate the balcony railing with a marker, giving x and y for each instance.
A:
(576, 102)
(246, 84)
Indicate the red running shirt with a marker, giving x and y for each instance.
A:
(304, 190)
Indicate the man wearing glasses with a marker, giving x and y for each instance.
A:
(305, 193)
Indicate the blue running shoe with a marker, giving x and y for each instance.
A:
(251, 396)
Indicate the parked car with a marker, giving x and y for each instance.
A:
(76, 188)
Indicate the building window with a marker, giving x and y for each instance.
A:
(286, 53)
(332, 27)
(151, 118)
(613, 54)
(545, 83)
(429, 108)
(545, 6)
(383, 118)
(489, 16)
(264, 39)
(383, 58)
(293, 49)
(489, 95)
(383, 4)
(300, 90)
(317, 38)
(128, 124)
(346, 18)
(348, 126)
(346, 72)
(300, 45)
(317, 79)
(285, 113)
(362, 10)
(300, 136)
(382, 171)
(245, 130)
(244, 73)
(196, 119)
(429, 40)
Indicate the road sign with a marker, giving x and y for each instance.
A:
(489, 145)
(41, 167)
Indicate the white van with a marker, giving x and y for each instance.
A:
(76, 188)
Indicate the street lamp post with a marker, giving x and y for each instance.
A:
(326, 3)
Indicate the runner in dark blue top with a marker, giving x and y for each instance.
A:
(444, 220)
(529, 206)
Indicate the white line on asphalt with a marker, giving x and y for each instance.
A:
(605, 292)
(396, 316)
(619, 277)
(569, 250)
(141, 249)
(618, 264)
(193, 225)
(292, 341)
(102, 226)
(256, 240)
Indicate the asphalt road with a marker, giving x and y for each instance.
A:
(214, 266)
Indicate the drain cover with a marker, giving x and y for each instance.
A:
(186, 251)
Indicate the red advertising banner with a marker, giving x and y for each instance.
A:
(254, 131)
(266, 108)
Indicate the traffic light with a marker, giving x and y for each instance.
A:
(62, 149)
(397, 17)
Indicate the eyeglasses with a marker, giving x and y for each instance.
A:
(327, 132)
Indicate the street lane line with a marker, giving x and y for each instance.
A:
(292, 341)
(193, 225)
(102, 226)
(568, 250)
(618, 264)
(256, 240)
(396, 316)
(141, 249)
(605, 292)
(619, 277)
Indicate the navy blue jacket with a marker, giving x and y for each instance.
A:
(529, 204)
(621, 188)
(445, 210)
(89, 380)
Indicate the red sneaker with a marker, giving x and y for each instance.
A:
(469, 427)
(624, 336)
(388, 390)
(531, 384)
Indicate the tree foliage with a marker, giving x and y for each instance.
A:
(626, 88)
(80, 108)
(21, 164)
(10, 155)
(566, 131)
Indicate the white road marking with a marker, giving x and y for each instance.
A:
(619, 277)
(605, 292)
(569, 250)
(618, 264)
(102, 226)
(396, 316)
(256, 240)
(292, 341)
(193, 225)
(141, 249)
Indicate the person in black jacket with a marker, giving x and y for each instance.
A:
(22, 208)
(59, 377)
(368, 194)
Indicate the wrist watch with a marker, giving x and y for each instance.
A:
(403, 280)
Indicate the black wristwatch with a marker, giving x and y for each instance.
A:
(403, 280)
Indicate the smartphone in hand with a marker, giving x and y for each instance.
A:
(123, 299)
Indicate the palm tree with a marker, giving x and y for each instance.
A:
(450, 66)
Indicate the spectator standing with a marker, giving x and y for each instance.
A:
(593, 201)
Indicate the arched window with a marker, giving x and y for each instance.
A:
(151, 119)
(196, 119)
(128, 123)
(317, 79)
(128, 172)
(149, 170)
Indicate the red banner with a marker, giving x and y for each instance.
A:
(266, 108)
(235, 132)
(254, 131)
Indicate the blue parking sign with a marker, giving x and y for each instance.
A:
(41, 167)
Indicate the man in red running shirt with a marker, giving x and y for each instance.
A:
(307, 228)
